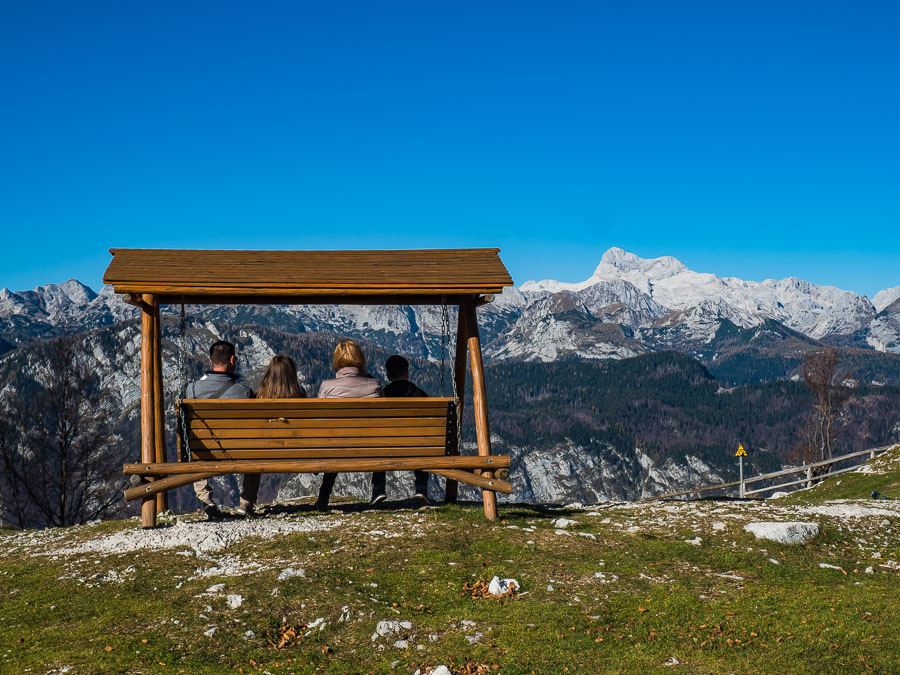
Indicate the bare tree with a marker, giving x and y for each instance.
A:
(60, 462)
(820, 371)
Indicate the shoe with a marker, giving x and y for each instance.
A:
(377, 499)
(246, 510)
(213, 512)
(423, 498)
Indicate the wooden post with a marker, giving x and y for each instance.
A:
(479, 401)
(159, 419)
(459, 375)
(148, 426)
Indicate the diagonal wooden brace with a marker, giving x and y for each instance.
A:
(170, 483)
(469, 477)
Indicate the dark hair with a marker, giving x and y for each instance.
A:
(280, 380)
(220, 353)
(396, 367)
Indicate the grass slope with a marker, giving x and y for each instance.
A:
(620, 590)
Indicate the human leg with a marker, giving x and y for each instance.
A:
(379, 482)
(325, 490)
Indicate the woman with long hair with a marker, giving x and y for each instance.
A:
(350, 381)
(279, 381)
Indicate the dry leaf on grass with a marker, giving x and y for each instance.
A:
(288, 636)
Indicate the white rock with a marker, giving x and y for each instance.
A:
(401, 644)
(784, 533)
(549, 588)
(500, 586)
(870, 570)
(563, 523)
(389, 627)
(440, 670)
(216, 588)
(210, 632)
(249, 635)
(885, 523)
(773, 561)
(694, 542)
(778, 495)
(234, 601)
(671, 662)
(473, 639)
(290, 573)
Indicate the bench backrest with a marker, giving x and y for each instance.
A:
(298, 428)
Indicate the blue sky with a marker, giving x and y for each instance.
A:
(749, 139)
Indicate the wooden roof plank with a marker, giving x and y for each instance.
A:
(258, 274)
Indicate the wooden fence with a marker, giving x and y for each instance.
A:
(807, 469)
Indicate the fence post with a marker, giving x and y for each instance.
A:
(741, 468)
(809, 476)
(872, 454)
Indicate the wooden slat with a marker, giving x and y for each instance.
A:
(437, 297)
(328, 432)
(319, 403)
(262, 454)
(313, 465)
(364, 442)
(315, 423)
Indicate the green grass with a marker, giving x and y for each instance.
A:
(665, 598)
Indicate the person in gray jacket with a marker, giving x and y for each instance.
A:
(221, 382)
(350, 381)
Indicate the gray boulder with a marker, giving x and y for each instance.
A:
(784, 533)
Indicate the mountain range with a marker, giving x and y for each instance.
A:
(628, 306)
(636, 381)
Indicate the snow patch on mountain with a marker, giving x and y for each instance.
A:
(886, 297)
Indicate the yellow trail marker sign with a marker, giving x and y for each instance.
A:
(740, 452)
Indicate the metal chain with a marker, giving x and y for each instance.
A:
(445, 329)
(445, 336)
(182, 386)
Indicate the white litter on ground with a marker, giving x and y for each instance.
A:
(290, 573)
(500, 586)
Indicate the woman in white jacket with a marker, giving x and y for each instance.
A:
(351, 381)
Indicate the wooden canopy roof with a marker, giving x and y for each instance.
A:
(431, 276)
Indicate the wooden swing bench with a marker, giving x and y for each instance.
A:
(320, 435)
(222, 436)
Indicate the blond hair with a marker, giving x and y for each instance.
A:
(280, 380)
(348, 353)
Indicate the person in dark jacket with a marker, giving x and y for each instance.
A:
(397, 370)
(221, 382)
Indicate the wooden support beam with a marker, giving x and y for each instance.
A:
(459, 373)
(478, 481)
(159, 416)
(359, 464)
(479, 401)
(484, 299)
(148, 426)
(135, 300)
(162, 485)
